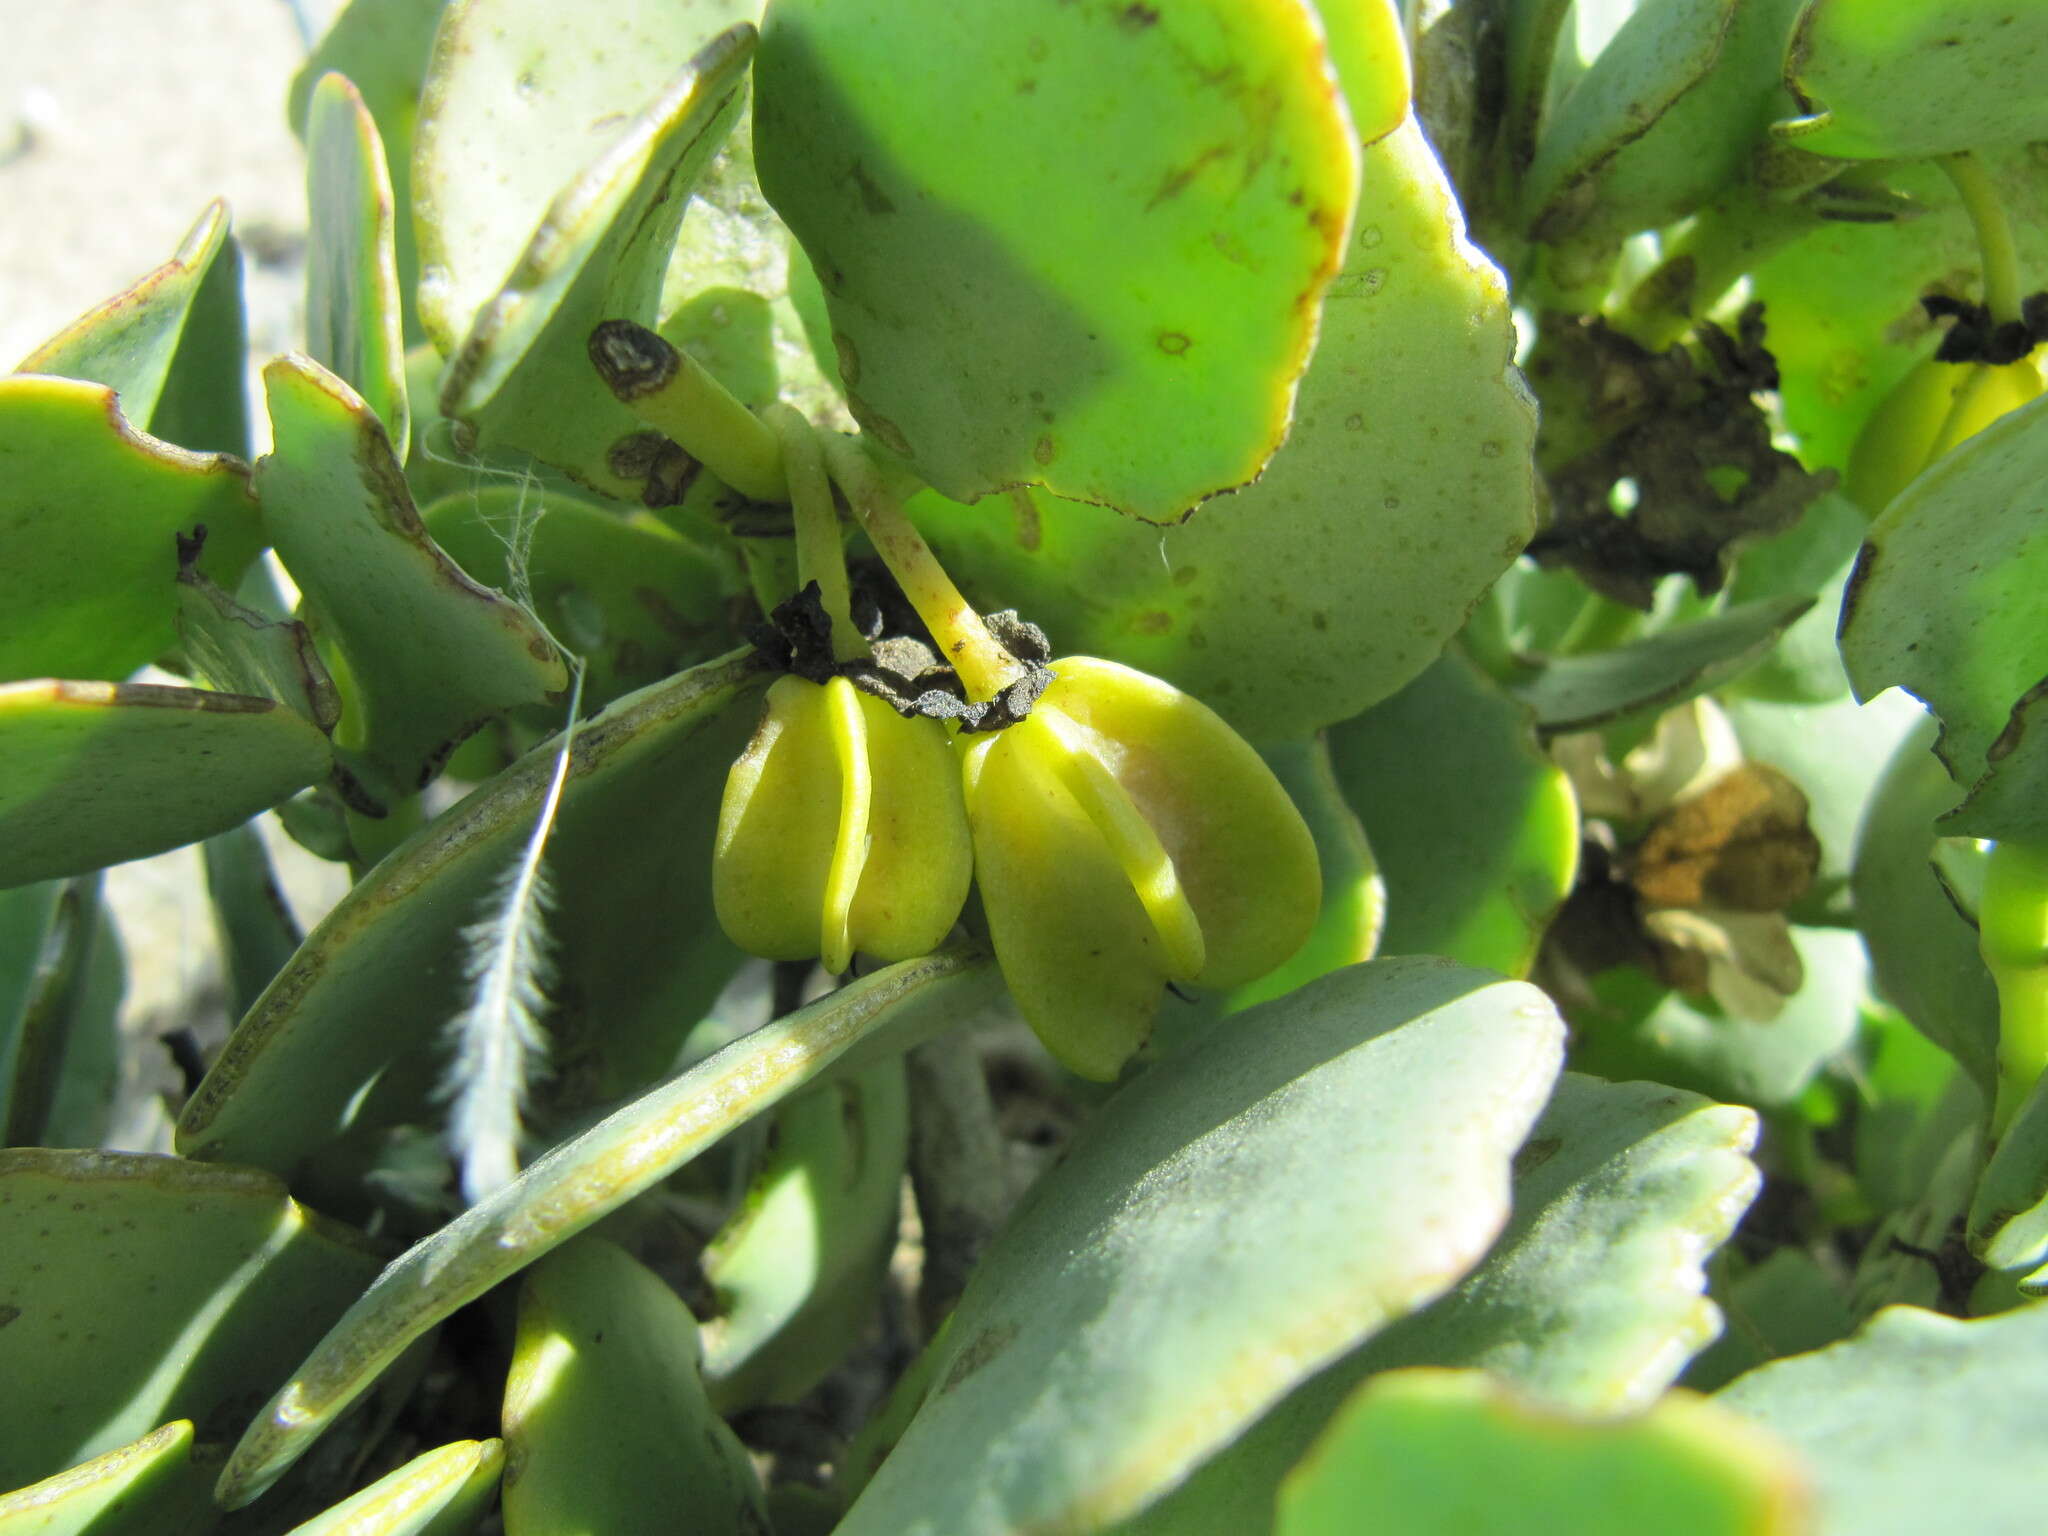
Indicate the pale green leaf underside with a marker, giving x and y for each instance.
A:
(1309, 1171)
(1591, 1302)
(1882, 80)
(1917, 1423)
(438, 1493)
(152, 1289)
(1946, 603)
(93, 774)
(150, 1487)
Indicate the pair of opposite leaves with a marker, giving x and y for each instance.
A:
(1124, 837)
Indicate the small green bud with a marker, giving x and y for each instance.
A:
(1125, 837)
(1935, 407)
(842, 829)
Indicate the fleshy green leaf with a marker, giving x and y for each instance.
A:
(61, 1056)
(438, 1493)
(1424, 1452)
(1786, 1305)
(382, 46)
(233, 648)
(1671, 111)
(636, 601)
(1408, 528)
(1878, 80)
(353, 327)
(1112, 277)
(798, 1269)
(521, 377)
(429, 654)
(93, 774)
(164, 343)
(361, 1002)
(91, 511)
(1590, 1302)
(1946, 603)
(151, 1487)
(1577, 693)
(1917, 1423)
(2009, 1212)
(252, 920)
(1374, 1111)
(142, 1289)
(1923, 953)
(605, 1413)
(1476, 830)
(592, 1175)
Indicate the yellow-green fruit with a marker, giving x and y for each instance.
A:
(842, 829)
(1933, 408)
(1124, 837)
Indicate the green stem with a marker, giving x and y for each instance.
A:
(671, 392)
(985, 668)
(2012, 933)
(1995, 247)
(820, 551)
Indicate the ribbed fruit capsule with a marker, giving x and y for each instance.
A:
(1125, 837)
(842, 829)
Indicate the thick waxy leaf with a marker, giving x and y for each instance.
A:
(522, 378)
(635, 600)
(171, 346)
(61, 1045)
(382, 47)
(1375, 1110)
(1918, 1423)
(251, 918)
(430, 655)
(1108, 286)
(383, 972)
(1577, 693)
(149, 1289)
(353, 326)
(149, 1488)
(1923, 952)
(2009, 1212)
(1946, 603)
(1425, 1452)
(1475, 830)
(520, 96)
(1649, 1032)
(1784, 1306)
(1407, 472)
(1670, 112)
(91, 511)
(93, 774)
(798, 1270)
(592, 1175)
(1882, 81)
(439, 1493)
(605, 1413)
(1591, 1301)
(233, 648)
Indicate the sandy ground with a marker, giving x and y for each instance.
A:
(119, 121)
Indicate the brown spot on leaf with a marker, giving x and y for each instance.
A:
(1139, 17)
(873, 200)
(1174, 343)
(1043, 450)
(1152, 622)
